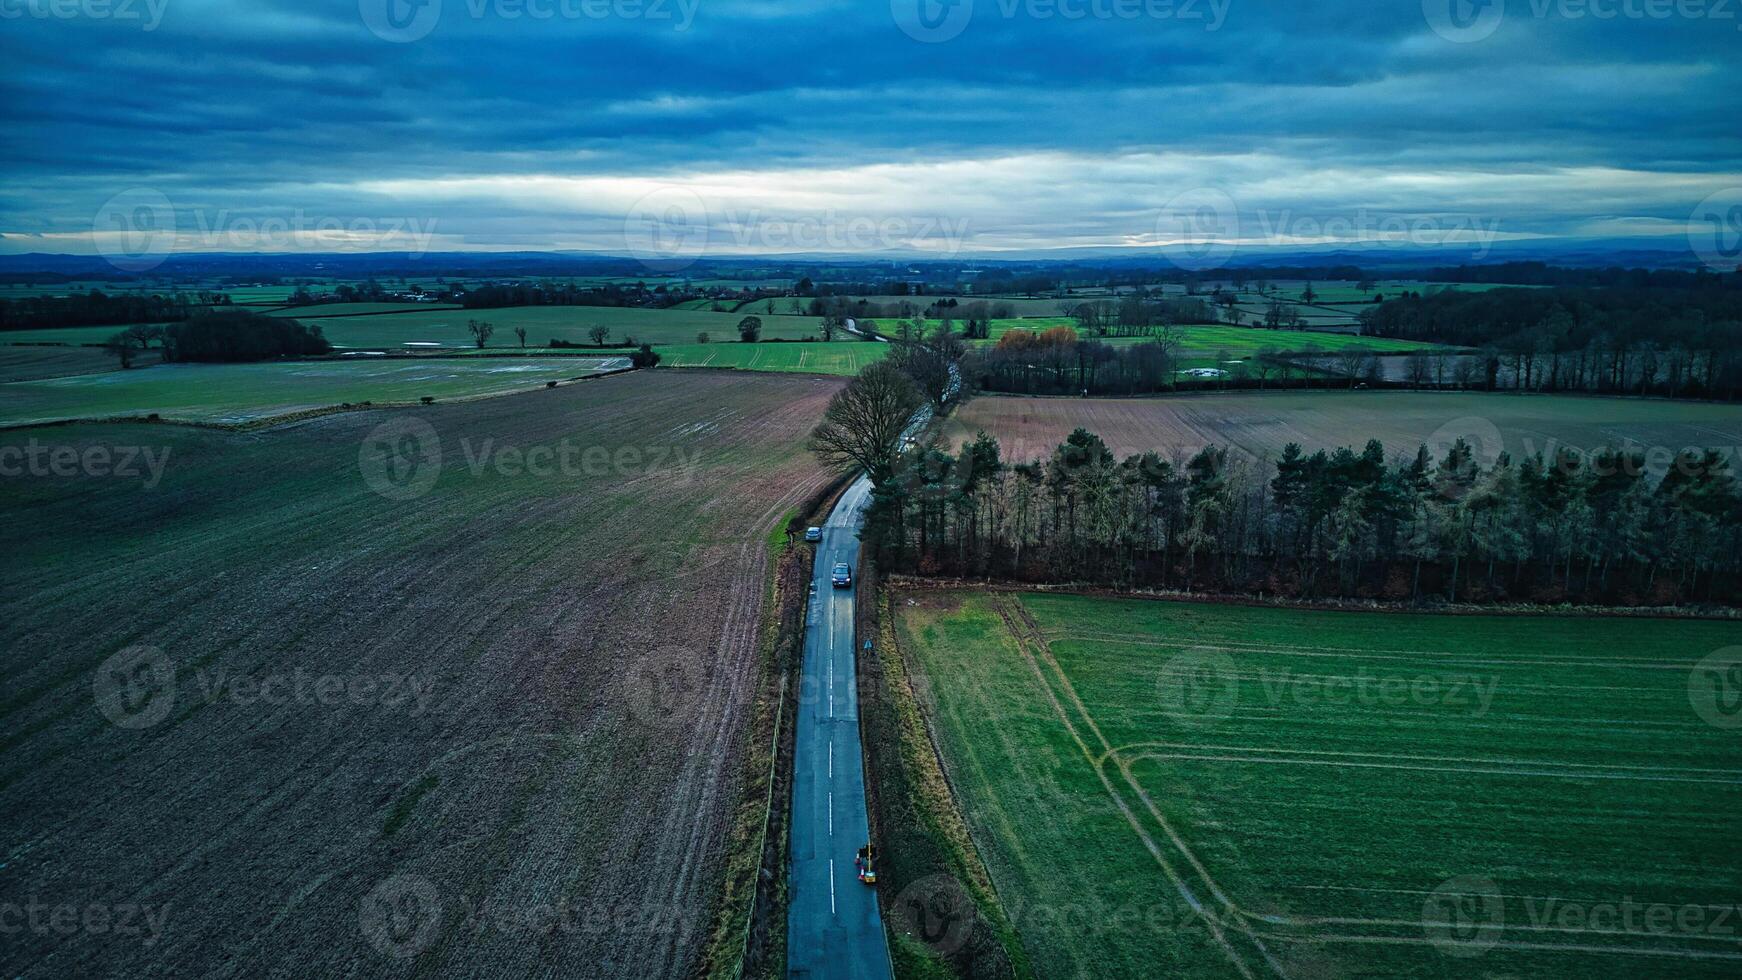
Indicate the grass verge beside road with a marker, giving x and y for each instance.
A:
(940, 908)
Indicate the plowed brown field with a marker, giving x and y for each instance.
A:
(285, 724)
(1261, 423)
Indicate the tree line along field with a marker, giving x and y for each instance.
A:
(1174, 789)
(545, 323)
(542, 679)
(322, 311)
(229, 394)
(394, 325)
(1201, 339)
(447, 327)
(19, 363)
(1261, 424)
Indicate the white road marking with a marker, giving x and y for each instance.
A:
(831, 813)
(831, 886)
(831, 760)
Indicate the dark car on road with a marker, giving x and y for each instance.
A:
(843, 576)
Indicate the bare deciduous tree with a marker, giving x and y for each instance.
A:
(863, 424)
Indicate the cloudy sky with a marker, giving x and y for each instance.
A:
(675, 126)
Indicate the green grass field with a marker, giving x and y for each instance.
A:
(542, 323)
(707, 305)
(320, 310)
(1203, 340)
(545, 323)
(844, 357)
(236, 393)
(1340, 793)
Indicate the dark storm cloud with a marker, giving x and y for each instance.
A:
(1087, 116)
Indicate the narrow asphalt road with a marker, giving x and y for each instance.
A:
(834, 928)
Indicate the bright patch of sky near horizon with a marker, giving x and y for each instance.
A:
(745, 126)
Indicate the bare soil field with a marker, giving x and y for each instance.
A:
(458, 690)
(20, 363)
(1261, 423)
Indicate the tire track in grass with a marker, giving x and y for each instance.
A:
(1258, 927)
(1255, 749)
(1004, 607)
(1375, 653)
(1029, 631)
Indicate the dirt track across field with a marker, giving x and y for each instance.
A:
(485, 725)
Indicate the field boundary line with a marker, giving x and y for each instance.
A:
(1426, 656)
(1635, 689)
(1257, 934)
(1713, 614)
(1470, 770)
(1421, 758)
(1534, 947)
(1039, 639)
(1212, 922)
(1503, 895)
